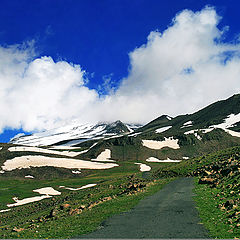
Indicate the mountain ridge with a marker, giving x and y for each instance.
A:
(76, 132)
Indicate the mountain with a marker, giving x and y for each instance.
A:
(74, 134)
(213, 128)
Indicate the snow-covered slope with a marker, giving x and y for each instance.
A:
(73, 134)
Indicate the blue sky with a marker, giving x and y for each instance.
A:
(97, 35)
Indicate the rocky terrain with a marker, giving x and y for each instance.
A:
(224, 176)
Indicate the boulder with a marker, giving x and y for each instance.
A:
(15, 229)
(206, 180)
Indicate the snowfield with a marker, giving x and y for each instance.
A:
(29, 176)
(104, 156)
(134, 134)
(228, 122)
(27, 200)
(153, 159)
(163, 129)
(187, 124)
(168, 142)
(42, 161)
(143, 167)
(47, 191)
(4, 210)
(194, 132)
(75, 133)
(63, 147)
(76, 189)
(42, 150)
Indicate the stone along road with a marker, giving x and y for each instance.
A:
(170, 213)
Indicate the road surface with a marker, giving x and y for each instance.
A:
(169, 213)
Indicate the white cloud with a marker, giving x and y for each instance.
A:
(180, 70)
(177, 71)
(39, 94)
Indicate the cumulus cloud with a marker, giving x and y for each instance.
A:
(39, 93)
(179, 70)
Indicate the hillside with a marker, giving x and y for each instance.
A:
(210, 129)
(100, 168)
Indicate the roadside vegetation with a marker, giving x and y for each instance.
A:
(74, 213)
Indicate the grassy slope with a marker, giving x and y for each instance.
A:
(23, 188)
(64, 224)
(212, 217)
(131, 149)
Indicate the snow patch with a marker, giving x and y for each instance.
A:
(4, 210)
(163, 129)
(233, 133)
(42, 150)
(27, 200)
(84, 151)
(169, 118)
(143, 167)
(187, 124)
(1, 148)
(47, 191)
(76, 189)
(63, 147)
(228, 122)
(168, 142)
(76, 172)
(153, 159)
(194, 132)
(43, 161)
(134, 134)
(29, 176)
(104, 156)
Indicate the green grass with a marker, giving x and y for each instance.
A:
(211, 215)
(65, 225)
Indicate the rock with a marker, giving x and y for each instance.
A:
(228, 203)
(207, 172)
(53, 213)
(82, 206)
(75, 211)
(41, 219)
(15, 229)
(206, 180)
(107, 198)
(223, 208)
(92, 205)
(65, 205)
